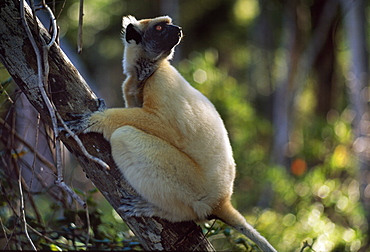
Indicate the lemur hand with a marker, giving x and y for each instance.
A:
(81, 122)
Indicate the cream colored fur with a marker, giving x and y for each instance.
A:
(174, 150)
(172, 147)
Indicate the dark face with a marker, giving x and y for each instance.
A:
(158, 40)
(161, 38)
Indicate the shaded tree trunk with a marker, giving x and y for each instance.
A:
(299, 58)
(358, 79)
(282, 106)
(71, 94)
(323, 64)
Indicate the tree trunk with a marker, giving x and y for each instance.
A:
(355, 20)
(282, 105)
(71, 94)
(324, 62)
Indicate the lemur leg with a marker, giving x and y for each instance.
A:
(109, 120)
(161, 174)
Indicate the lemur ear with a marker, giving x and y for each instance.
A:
(132, 33)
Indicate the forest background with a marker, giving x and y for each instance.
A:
(290, 80)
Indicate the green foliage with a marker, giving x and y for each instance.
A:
(317, 207)
(312, 204)
(60, 228)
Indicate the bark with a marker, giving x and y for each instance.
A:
(71, 94)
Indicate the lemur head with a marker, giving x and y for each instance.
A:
(148, 41)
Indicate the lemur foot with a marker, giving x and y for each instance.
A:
(79, 124)
(137, 206)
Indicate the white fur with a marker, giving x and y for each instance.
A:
(173, 148)
(192, 171)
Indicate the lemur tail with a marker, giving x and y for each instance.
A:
(228, 214)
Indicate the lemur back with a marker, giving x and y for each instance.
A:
(169, 141)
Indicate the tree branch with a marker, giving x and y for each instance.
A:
(71, 94)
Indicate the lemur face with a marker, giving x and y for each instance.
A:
(156, 37)
(161, 37)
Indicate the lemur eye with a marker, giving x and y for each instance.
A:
(159, 27)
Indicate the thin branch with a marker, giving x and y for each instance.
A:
(61, 9)
(54, 26)
(35, 210)
(88, 226)
(28, 146)
(6, 194)
(47, 238)
(81, 145)
(80, 23)
(28, 226)
(2, 90)
(307, 245)
(23, 214)
(205, 235)
(36, 147)
(42, 78)
(4, 231)
(35, 27)
(71, 193)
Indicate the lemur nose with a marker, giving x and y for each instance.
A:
(180, 31)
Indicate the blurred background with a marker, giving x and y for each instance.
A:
(289, 78)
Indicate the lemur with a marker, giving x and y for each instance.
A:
(169, 141)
